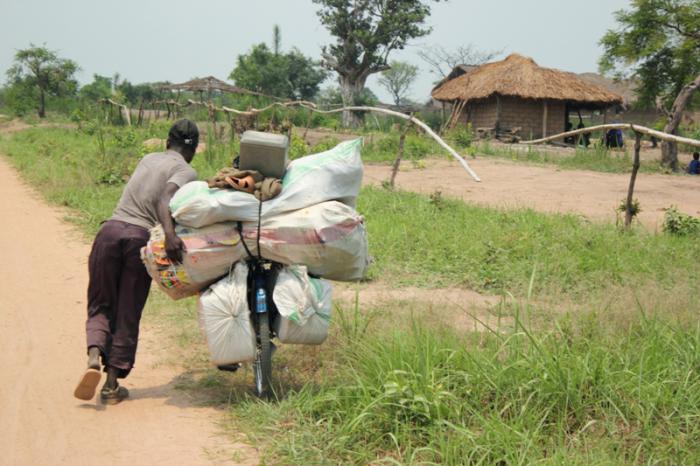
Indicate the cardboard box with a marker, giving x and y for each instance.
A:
(264, 152)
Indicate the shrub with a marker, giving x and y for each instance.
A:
(678, 223)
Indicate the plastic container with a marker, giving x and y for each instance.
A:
(264, 152)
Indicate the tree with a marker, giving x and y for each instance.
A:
(398, 80)
(99, 88)
(366, 32)
(442, 60)
(659, 42)
(42, 69)
(332, 97)
(290, 75)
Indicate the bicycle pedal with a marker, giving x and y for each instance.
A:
(229, 367)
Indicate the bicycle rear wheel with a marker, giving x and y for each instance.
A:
(263, 359)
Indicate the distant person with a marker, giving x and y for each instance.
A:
(119, 284)
(613, 138)
(585, 140)
(694, 165)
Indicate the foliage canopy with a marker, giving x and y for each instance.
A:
(659, 41)
(398, 80)
(43, 70)
(289, 75)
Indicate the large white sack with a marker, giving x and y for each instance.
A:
(225, 319)
(329, 238)
(304, 307)
(332, 175)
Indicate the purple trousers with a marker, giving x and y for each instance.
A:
(117, 293)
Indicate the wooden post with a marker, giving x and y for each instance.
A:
(399, 156)
(544, 119)
(498, 114)
(633, 178)
(308, 123)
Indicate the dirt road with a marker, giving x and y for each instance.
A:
(43, 277)
(511, 184)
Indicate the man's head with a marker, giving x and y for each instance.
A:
(696, 155)
(183, 137)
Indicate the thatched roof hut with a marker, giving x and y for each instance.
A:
(208, 84)
(517, 93)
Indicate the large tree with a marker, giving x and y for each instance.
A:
(44, 70)
(659, 42)
(290, 75)
(366, 32)
(398, 79)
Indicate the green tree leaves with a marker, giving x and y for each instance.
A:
(659, 42)
(289, 75)
(398, 80)
(42, 69)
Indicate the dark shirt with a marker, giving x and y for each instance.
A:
(694, 167)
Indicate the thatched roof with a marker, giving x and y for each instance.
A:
(520, 76)
(457, 71)
(626, 88)
(210, 83)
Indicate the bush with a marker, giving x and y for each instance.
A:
(678, 223)
(462, 137)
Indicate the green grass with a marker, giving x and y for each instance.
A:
(432, 241)
(582, 392)
(594, 158)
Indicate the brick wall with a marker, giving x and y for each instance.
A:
(525, 113)
(528, 115)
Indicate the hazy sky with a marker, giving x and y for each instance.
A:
(153, 40)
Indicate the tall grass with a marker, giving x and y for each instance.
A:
(580, 392)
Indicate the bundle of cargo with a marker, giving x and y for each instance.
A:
(311, 227)
(329, 238)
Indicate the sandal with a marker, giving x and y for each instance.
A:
(112, 396)
(88, 384)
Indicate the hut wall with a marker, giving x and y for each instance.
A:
(481, 114)
(528, 115)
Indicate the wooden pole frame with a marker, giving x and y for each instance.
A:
(629, 215)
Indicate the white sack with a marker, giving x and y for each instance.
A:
(225, 319)
(304, 307)
(332, 175)
(329, 238)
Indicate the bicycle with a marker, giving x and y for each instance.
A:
(261, 279)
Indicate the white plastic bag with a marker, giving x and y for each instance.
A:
(304, 307)
(225, 319)
(332, 175)
(329, 238)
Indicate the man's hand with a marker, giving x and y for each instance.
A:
(174, 247)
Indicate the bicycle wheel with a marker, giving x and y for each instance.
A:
(263, 359)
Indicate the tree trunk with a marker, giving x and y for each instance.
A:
(669, 150)
(350, 89)
(42, 104)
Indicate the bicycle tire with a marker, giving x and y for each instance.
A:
(263, 359)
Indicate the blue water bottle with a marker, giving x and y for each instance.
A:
(260, 301)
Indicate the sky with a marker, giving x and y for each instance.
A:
(158, 40)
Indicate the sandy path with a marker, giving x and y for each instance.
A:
(43, 277)
(511, 184)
